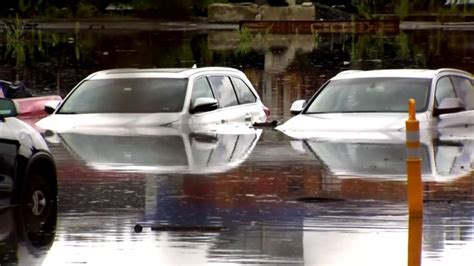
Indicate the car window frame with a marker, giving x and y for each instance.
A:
(61, 104)
(435, 100)
(456, 87)
(311, 99)
(248, 87)
(216, 93)
(192, 89)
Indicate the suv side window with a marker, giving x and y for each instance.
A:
(224, 91)
(444, 89)
(464, 90)
(201, 88)
(244, 93)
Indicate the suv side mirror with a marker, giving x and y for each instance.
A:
(51, 106)
(297, 107)
(7, 108)
(449, 105)
(204, 104)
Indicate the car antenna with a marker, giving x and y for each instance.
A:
(194, 66)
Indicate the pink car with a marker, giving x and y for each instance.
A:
(30, 109)
(34, 106)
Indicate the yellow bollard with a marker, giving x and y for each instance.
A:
(415, 188)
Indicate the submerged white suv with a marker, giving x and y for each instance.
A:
(158, 97)
(361, 101)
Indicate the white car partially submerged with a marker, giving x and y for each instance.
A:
(356, 104)
(158, 97)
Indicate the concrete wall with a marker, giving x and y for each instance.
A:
(229, 13)
(287, 13)
(233, 13)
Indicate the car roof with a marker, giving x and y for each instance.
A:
(397, 73)
(158, 72)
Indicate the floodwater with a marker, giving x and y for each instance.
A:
(256, 197)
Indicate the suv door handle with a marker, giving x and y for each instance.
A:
(248, 118)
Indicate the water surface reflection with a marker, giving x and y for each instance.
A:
(278, 206)
(25, 239)
(159, 149)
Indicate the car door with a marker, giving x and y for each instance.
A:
(202, 88)
(228, 112)
(456, 87)
(8, 153)
(247, 100)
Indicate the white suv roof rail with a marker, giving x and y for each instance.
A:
(345, 72)
(441, 70)
(184, 71)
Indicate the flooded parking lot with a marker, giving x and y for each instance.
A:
(279, 206)
(253, 197)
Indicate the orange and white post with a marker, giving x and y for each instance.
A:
(415, 186)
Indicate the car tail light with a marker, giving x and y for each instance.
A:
(267, 112)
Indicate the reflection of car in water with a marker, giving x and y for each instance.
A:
(459, 3)
(442, 160)
(25, 237)
(159, 150)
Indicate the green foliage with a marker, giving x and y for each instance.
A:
(245, 41)
(402, 8)
(364, 8)
(53, 12)
(22, 5)
(14, 34)
(85, 10)
(403, 44)
(316, 37)
(30, 7)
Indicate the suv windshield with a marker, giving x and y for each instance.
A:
(137, 95)
(371, 95)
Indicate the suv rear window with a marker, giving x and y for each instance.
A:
(139, 95)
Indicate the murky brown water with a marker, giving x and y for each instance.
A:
(262, 198)
(280, 205)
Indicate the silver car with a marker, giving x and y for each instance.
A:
(158, 97)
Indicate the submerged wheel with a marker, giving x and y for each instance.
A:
(38, 194)
(38, 212)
